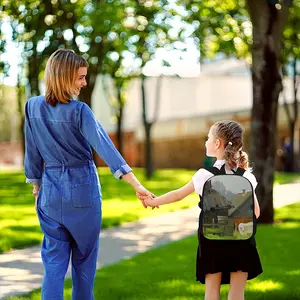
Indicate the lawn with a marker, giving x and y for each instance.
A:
(19, 225)
(282, 178)
(168, 272)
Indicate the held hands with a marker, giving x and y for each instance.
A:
(144, 194)
(149, 201)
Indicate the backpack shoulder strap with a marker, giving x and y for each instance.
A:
(213, 170)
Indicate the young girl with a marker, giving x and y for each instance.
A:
(220, 262)
(59, 136)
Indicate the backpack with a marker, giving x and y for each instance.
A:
(227, 204)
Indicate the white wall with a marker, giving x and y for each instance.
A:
(181, 98)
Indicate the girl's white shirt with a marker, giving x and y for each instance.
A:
(202, 175)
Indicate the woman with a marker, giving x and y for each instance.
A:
(59, 136)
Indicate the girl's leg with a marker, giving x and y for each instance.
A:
(238, 282)
(212, 286)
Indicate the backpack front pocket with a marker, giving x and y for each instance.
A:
(81, 195)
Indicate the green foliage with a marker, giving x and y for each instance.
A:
(105, 32)
(291, 49)
(168, 272)
(225, 27)
(221, 26)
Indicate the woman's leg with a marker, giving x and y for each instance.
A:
(238, 282)
(84, 271)
(212, 286)
(55, 255)
(85, 234)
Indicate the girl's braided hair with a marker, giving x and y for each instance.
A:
(231, 133)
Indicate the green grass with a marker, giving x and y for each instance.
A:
(168, 272)
(282, 178)
(19, 225)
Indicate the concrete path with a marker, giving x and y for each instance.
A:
(21, 271)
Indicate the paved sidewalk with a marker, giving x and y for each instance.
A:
(21, 271)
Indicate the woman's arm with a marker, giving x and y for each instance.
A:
(33, 162)
(97, 137)
(172, 196)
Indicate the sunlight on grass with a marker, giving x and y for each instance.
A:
(168, 272)
(282, 178)
(290, 225)
(19, 225)
(265, 286)
(172, 284)
(293, 273)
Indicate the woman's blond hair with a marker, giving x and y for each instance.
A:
(231, 133)
(60, 75)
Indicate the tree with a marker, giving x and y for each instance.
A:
(153, 21)
(143, 30)
(252, 31)
(268, 27)
(40, 28)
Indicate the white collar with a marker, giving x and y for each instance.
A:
(219, 163)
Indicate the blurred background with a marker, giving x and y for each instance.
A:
(161, 73)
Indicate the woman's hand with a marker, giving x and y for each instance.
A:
(143, 194)
(35, 193)
(36, 198)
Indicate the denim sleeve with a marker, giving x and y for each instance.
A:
(33, 162)
(97, 137)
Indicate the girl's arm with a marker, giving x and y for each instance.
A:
(172, 196)
(256, 207)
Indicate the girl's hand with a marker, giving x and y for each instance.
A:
(142, 194)
(151, 202)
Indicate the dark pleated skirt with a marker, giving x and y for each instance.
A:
(225, 257)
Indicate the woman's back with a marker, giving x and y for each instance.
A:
(56, 131)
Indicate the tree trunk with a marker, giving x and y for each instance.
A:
(33, 74)
(22, 117)
(147, 127)
(120, 120)
(148, 147)
(268, 23)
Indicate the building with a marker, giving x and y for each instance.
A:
(187, 109)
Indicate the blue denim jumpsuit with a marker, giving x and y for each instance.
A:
(58, 157)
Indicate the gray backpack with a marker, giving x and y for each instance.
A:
(227, 205)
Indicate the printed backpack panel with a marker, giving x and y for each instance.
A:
(227, 208)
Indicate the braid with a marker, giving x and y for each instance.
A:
(231, 133)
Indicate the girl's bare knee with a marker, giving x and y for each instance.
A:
(238, 282)
(212, 286)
